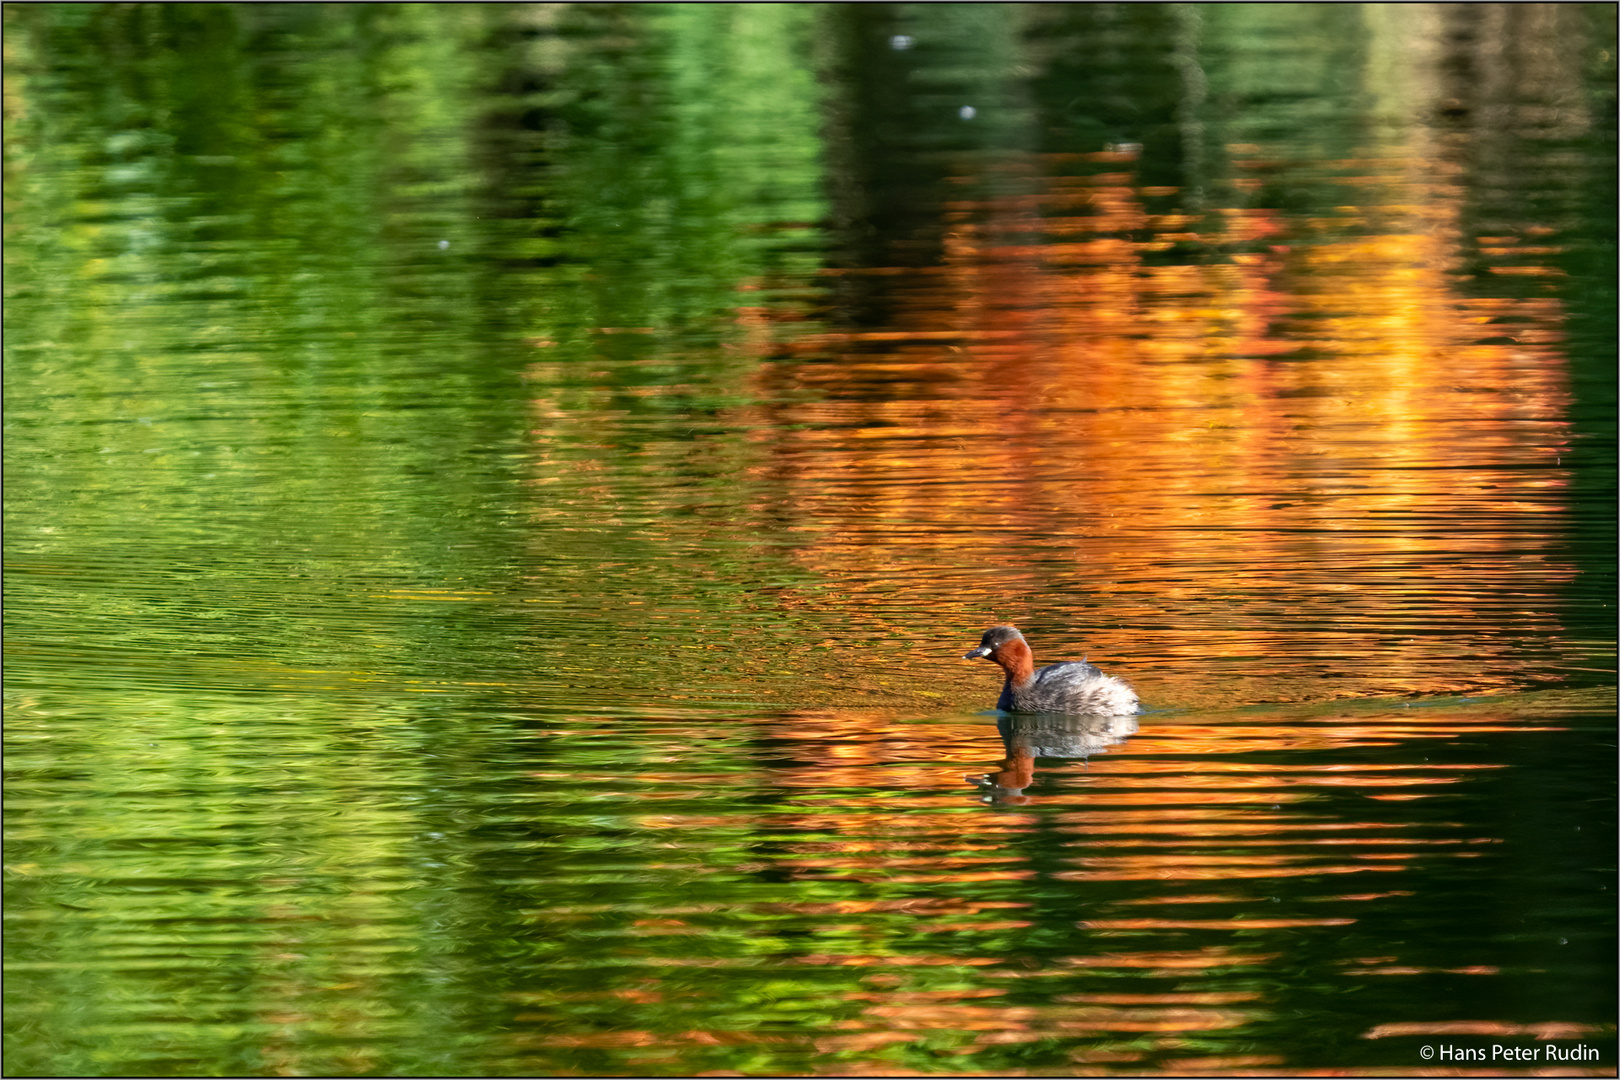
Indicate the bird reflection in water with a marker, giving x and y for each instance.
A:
(1046, 735)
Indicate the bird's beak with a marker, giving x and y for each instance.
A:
(982, 650)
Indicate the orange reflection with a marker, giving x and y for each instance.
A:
(1398, 969)
(981, 1018)
(1321, 429)
(1171, 961)
(920, 904)
(1223, 1063)
(1205, 868)
(870, 799)
(1207, 924)
(1205, 998)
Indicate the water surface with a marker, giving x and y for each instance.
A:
(497, 498)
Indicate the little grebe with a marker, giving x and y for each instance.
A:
(1070, 687)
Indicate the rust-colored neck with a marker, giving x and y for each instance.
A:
(1016, 660)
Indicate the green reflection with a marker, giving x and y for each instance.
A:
(254, 248)
(399, 398)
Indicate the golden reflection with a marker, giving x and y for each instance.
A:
(1327, 428)
(1184, 898)
(1214, 957)
(1206, 822)
(1044, 1021)
(1203, 868)
(978, 1017)
(1313, 463)
(1223, 1063)
(1200, 998)
(918, 904)
(867, 800)
(913, 905)
(1166, 756)
(1207, 924)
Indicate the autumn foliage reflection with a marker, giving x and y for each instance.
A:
(1236, 455)
(1194, 853)
(1308, 441)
